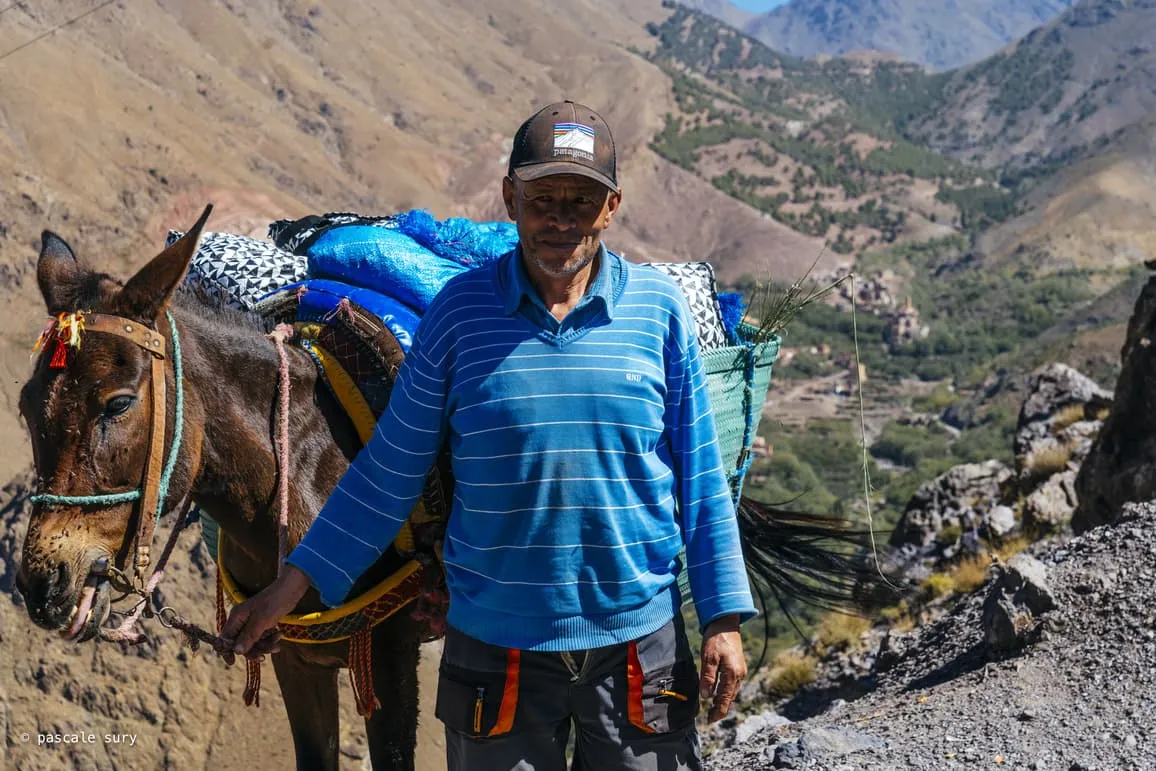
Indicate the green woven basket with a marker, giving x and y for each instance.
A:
(738, 378)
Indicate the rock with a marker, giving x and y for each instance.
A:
(1078, 438)
(1000, 521)
(1001, 623)
(957, 499)
(831, 743)
(1014, 604)
(757, 723)
(1121, 466)
(1051, 506)
(1027, 579)
(1052, 389)
(790, 755)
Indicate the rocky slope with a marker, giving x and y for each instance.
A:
(1045, 665)
(940, 35)
(951, 695)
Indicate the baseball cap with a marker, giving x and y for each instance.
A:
(564, 138)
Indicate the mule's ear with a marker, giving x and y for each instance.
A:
(57, 273)
(149, 292)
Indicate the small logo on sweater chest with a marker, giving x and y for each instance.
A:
(634, 377)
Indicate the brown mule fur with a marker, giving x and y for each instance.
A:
(84, 443)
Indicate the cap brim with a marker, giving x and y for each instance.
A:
(558, 168)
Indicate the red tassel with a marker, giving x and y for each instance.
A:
(220, 601)
(252, 694)
(361, 672)
(59, 356)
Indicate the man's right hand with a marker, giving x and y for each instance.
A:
(250, 620)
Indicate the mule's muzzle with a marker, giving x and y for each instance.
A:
(49, 595)
(56, 603)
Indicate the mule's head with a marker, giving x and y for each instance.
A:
(90, 422)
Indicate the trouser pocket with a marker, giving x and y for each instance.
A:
(480, 702)
(662, 681)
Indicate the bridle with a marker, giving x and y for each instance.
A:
(151, 495)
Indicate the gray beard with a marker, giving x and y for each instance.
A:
(567, 270)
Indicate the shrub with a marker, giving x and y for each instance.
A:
(1012, 547)
(841, 631)
(1053, 460)
(790, 671)
(1073, 413)
(970, 573)
(937, 585)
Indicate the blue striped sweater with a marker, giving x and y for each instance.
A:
(584, 455)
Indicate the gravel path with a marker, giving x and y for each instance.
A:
(1080, 698)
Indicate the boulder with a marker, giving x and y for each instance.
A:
(1017, 599)
(1054, 388)
(1052, 504)
(1000, 521)
(950, 504)
(1121, 466)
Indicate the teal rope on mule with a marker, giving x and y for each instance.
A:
(111, 499)
(86, 500)
(178, 418)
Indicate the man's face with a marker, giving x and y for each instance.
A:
(560, 220)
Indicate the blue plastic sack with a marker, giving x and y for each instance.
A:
(323, 297)
(388, 261)
(458, 239)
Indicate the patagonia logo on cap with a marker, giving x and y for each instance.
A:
(574, 139)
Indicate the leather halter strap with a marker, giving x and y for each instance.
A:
(151, 341)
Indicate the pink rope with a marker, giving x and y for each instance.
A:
(279, 335)
(127, 631)
(342, 309)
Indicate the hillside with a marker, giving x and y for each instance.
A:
(1096, 213)
(122, 125)
(1055, 95)
(937, 34)
(817, 146)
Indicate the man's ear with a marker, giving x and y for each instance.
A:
(510, 197)
(149, 292)
(613, 201)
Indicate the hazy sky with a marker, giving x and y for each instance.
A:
(758, 5)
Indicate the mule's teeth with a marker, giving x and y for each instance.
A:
(72, 616)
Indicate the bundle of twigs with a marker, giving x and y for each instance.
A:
(774, 304)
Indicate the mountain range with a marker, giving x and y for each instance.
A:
(939, 34)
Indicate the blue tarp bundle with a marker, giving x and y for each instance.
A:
(409, 261)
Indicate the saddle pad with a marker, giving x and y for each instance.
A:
(696, 279)
(239, 270)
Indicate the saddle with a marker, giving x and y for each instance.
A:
(358, 352)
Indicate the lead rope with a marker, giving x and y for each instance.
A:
(361, 642)
(281, 333)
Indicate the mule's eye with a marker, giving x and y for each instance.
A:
(117, 405)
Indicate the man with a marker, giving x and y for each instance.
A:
(569, 386)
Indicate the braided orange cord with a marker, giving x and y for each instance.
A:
(252, 694)
(361, 672)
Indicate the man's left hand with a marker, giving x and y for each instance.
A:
(723, 665)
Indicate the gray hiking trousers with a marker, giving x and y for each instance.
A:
(632, 706)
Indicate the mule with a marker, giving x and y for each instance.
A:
(90, 423)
